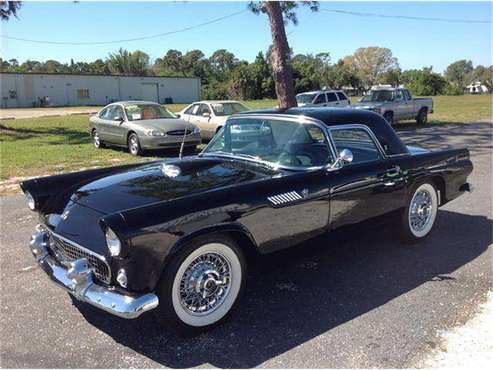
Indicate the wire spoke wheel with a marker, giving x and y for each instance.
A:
(207, 284)
(422, 210)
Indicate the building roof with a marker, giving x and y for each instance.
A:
(89, 74)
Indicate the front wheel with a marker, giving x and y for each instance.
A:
(96, 140)
(201, 285)
(422, 117)
(134, 144)
(420, 213)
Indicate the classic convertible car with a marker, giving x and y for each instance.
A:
(172, 236)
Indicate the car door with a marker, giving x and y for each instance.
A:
(400, 105)
(104, 123)
(115, 126)
(332, 100)
(320, 100)
(369, 186)
(204, 119)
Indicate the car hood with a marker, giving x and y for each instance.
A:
(164, 124)
(147, 184)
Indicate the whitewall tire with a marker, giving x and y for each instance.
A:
(201, 285)
(421, 212)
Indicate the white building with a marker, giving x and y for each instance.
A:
(44, 89)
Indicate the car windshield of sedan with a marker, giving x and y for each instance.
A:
(227, 109)
(139, 112)
(277, 143)
(305, 98)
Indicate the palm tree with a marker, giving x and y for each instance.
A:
(9, 8)
(280, 12)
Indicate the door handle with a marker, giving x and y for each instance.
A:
(393, 172)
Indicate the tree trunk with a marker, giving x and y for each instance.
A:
(281, 67)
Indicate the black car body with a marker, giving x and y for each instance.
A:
(158, 209)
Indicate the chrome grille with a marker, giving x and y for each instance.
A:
(179, 132)
(67, 251)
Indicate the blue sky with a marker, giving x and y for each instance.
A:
(414, 43)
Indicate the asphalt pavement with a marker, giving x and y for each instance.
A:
(357, 298)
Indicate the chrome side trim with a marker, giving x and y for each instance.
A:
(284, 198)
(77, 279)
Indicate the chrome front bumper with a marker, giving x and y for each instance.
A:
(77, 279)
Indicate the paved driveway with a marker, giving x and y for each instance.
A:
(358, 298)
(44, 112)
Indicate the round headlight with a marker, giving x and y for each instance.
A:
(30, 201)
(114, 244)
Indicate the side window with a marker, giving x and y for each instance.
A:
(104, 113)
(191, 109)
(116, 111)
(203, 109)
(320, 99)
(341, 96)
(407, 94)
(398, 95)
(331, 97)
(358, 141)
(195, 109)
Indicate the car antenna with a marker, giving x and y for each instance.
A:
(183, 139)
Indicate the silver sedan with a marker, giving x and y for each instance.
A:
(140, 125)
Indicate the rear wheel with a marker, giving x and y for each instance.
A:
(420, 213)
(134, 144)
(389, 117)
(201, 285)
(422, 117)
(96, 140)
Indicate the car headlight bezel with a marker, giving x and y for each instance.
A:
(155, 133)
(113, 242)
(31, 202)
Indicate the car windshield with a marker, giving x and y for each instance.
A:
(276, 143)
(305, 98)
(378, 96)
(139, 112)
(227, 109)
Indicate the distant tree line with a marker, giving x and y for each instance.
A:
(223, 75)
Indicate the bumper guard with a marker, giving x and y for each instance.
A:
(76, 278)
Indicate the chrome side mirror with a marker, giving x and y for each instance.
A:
(345, 157)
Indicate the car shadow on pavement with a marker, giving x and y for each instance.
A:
(298, 294)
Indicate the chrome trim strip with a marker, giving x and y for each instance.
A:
(100, 257)
(285, 198)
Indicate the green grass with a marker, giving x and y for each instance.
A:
(39, 146)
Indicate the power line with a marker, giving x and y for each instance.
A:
(448, 20)
(124, 40)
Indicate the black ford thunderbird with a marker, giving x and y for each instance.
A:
(171, 236)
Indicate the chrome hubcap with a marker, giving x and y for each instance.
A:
(205, 283)
(133, 144)
(96, 139)
(421, 207)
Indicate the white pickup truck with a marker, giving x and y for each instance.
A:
(396, 104)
